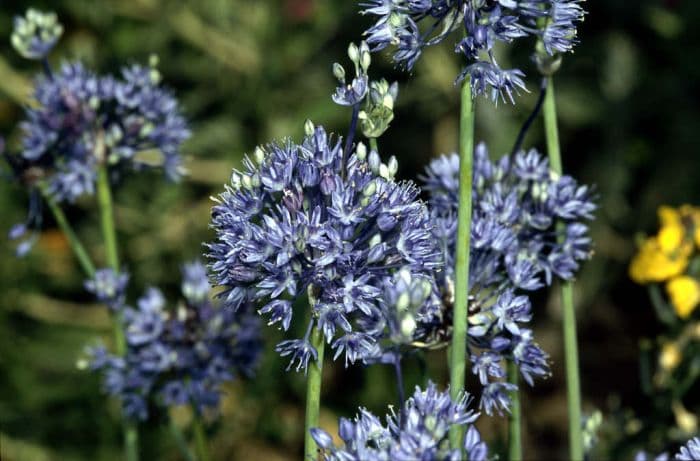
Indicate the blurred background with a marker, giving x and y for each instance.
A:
(249, 71)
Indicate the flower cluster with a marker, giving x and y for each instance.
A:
(174, 356)
(109, 287)
(411, 25)
(666, 257)
(36, 33)
(82, 120)
(527, 226)
(299, 219)
(429, 415)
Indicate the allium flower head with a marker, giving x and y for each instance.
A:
(296, 220)
(412, 25)
(429, 415)
(35, 33)
(516, 245)
(82, 120)
(179, 355)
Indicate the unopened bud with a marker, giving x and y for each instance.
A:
(309, 127)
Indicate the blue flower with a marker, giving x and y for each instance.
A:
(109, 287)
(691, 451)
(527, 226)
(175, 356)
(423, 434)
(483, 25)
(298, 220)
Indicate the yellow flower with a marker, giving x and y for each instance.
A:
(666, 255)
(670, 356)
(652, 264)
(684, 292)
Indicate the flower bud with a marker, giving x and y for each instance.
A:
(354, 53)
(309, 127)
(339, 72)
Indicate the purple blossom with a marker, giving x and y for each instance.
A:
(177, 356)
(429, 415)
(297, 220)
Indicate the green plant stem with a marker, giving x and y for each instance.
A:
(180, 441)
(313, 394)
(200, 438)
(515, 447)
(573, 384)
(104, 200)
(458, 348)
(76, 245)
(373, 144)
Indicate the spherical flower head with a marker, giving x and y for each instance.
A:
(528, 225)
(178, 355)
(35, 33)
(429, 416)
(690, 451)
(484, 24)
(297, 220)
(81, 120)
(109, 287)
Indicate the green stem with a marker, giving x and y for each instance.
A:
(663, 311)
(373, 144)
(515, 447)
(76, 245)
(458, 348)
(313, 394)
(104, 200)
(200, 438)
(180, 441)
(573, 384)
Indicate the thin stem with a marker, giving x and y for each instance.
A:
(531, 118)
(313, 394)
(73, 240)
(459, 329)
(180, 441)
(515, 448)
(201, 446)
(663, 312)
(350, 136)
(399, 387)
(104, 200)
(573, 384)
(373, 144)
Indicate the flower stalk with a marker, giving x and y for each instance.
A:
(73, 240)
(515, 450)
(104, 200)
(313, 393)
(573, 384)
(200, 438)
(459, 329)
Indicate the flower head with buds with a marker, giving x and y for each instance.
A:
(35, 33)
(483, 23)
(175, 356)
(429, 415)
(297, 221)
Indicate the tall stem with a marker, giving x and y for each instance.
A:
(76, 245)
(399, 387)
(313, 394)
(104, 200)
(573, 385)
(515, 447)
(458, 348)
(180, 441)
(200, 438)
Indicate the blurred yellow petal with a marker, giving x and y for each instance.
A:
(684, 292)
(669, 216)
(670, 356)
(671, 237)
